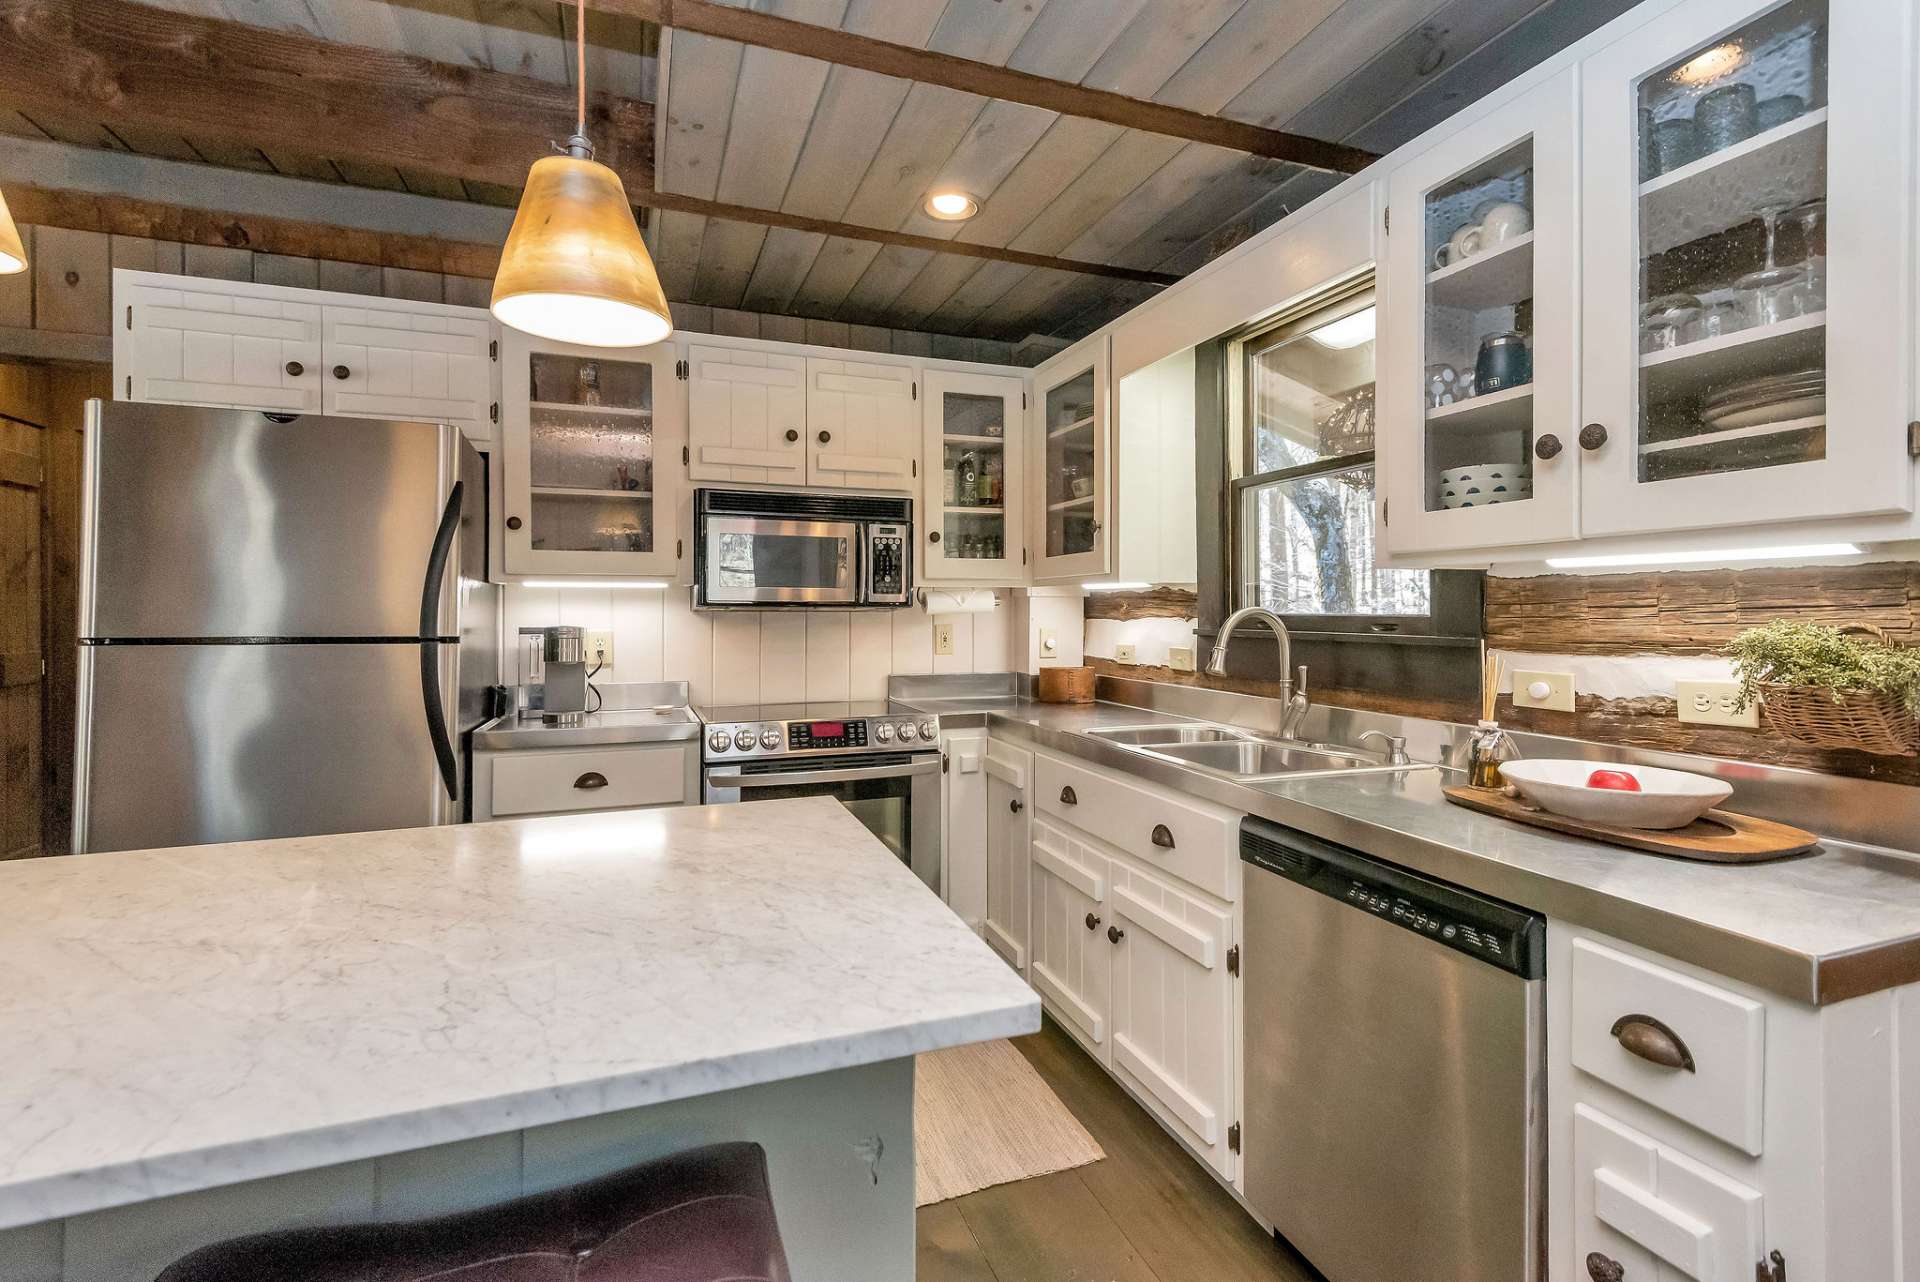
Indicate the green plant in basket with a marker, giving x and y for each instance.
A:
(1809, 654)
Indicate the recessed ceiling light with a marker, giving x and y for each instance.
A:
(1712, 64)
(1348, 331)
(952, 206)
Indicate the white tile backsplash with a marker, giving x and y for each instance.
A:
(743, 656)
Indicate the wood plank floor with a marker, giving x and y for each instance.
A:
(1148, 1213)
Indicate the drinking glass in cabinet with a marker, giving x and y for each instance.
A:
(590, 454)
(1478, 325)
(1732, 273)
(973, 477)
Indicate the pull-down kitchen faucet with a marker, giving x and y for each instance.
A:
(1293, 696)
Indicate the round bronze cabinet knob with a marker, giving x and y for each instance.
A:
(342, 372)
(1547, 446)
(933, 536)
(792, 435)
(1093, 921)
(295, 369)
(513, 523)
(825, 437)
(1016, 806)
(1593, 436)
(1115, 934)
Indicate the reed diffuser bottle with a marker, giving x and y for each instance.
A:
(1489, 744)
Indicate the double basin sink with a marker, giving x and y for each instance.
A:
(1231, 753)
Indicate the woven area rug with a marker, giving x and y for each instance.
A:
(982, 1116)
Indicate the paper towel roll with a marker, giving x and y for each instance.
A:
(941, 601)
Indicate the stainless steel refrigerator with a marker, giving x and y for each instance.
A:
(285, 625)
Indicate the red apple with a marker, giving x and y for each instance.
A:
(1619, 780)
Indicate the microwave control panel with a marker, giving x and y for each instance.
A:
(887, 564)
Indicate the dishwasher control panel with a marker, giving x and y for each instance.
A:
(1429, 919)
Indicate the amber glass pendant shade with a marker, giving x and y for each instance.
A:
(13, 255)
(574, 268)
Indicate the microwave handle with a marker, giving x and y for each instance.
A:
(738, 779)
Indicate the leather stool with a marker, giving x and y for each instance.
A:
(698, 1216)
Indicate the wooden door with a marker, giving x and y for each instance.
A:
(431, 363)
(862, 431)
(22, 611)
(1173, 1008)
(1009, 838)
(1071, 953)
(746, 416)
(215, 346)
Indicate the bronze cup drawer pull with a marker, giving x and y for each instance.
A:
(1067, 797)
(591, 779)
(1163, 836)
(1653, 1041)
(1602, 1269)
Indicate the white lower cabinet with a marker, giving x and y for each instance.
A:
(963, 860)
(1071, 958)
(1655, 1212)
(1009, 771)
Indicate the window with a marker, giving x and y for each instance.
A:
(1303, 502)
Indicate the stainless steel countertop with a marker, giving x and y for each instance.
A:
(610, 726)
(1839, 922)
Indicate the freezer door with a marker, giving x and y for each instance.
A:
(224, 523)
(181, 744)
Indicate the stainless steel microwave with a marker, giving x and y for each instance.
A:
(765, 550)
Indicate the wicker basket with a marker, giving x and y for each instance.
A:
(1862, 720)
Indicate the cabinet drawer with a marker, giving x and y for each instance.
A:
(1184, 840)
(1637, 1201)
(604, 779)
(1619, 1001)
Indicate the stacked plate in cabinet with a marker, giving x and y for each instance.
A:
(1774, 398)
(1481, 483)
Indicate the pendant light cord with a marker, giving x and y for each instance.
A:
(580, 55)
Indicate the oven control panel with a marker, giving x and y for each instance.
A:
(747, 740)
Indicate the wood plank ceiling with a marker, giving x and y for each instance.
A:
(763, 128)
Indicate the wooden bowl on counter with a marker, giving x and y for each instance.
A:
(1064, 685)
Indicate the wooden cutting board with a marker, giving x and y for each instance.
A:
(1719, 836)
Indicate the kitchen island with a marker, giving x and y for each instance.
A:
(213, 1040)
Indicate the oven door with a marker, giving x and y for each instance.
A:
(896, 795)
(758, 561)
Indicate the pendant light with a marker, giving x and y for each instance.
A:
(13, 255)
(574, 268)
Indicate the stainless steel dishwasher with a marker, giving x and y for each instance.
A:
(1395, 1071)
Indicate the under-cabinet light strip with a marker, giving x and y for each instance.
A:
(643, 585)
(1795, 552)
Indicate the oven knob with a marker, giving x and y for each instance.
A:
(907, 733)
(743, 739)
(769, 738)
(884, 732)
(928, 730)
(719, 741)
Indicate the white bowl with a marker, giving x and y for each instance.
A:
(1667, 798)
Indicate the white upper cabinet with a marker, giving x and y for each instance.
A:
(1478, 357)
(1747, 266)
(973, 518)
(591, 441)
(1073, 488)
(863, 425)
(747, 415)
(383, 363)
(186, 342)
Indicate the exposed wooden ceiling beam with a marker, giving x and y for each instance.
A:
(127, 64)
(927, 66)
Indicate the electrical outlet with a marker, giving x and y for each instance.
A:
(1552, 690)
(1125, 654)
(1715, 703)
(1180, 658)
(1049, 643)
(943, 638)
(600, 649)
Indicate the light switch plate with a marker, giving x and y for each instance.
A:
(1125, 654)
(600, 649)
(1049, 643)
(1715, 703)
(1180, 658)
(1557, 696)
(943, 638)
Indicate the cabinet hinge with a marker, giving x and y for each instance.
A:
(129, 387)
(916, 391)
(1233, 960)
(1386, 511)
(681, 370)
(493, 350)
(1233, 1137)
(686, 457)
(1023, 400)
(679, 549)
(916, 467)
(1913, 438)
(493, 411)
(1771, 1269)
(1386, 223)
(129, 315)
(1023, 556)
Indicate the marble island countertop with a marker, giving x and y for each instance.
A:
(180, 1019)
(1820, 928)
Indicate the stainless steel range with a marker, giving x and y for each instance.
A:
(883, 766)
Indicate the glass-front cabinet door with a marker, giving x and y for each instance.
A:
(1746, 266)
(1477, 388)
(972, 517)
(592, 439)
(1071, 438)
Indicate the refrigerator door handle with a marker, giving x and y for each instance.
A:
(437, 562)
(437, 718)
